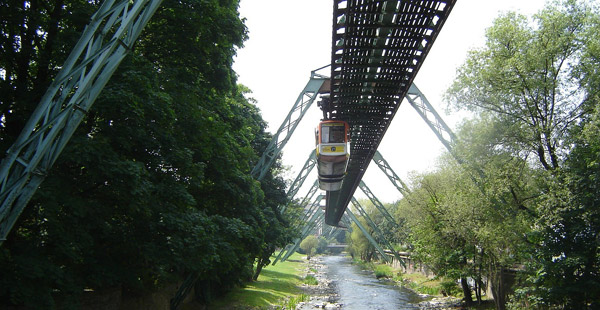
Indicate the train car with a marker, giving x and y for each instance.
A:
(332, 137)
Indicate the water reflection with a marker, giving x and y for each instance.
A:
(359, 289)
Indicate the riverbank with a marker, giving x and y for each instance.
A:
(276, 288)
(283, 287)
(325, 295)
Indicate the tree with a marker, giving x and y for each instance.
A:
(309, 245)
(155, 184)
(536, 82)
(528, 78)
(358, 245)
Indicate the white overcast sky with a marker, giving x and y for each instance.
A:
(289, 39)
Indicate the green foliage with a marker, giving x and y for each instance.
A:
(422, 284)
(528, 76)
(156, 182)
(358, 245)
(310, 280)
(526, 191)
(321, 245)
(450, 287)
(383, 271)
(294, 301)
(309, 245)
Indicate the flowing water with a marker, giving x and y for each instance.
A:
(359, 289)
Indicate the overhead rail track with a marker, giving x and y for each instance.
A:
(377, 50)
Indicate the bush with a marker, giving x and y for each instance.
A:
(310, 280)
(293, 302)
(383, 271)
(450, 287)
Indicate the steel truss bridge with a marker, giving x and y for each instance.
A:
(378, 47)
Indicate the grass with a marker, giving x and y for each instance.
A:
(415, 281)
(383, 271)
(422, 284)
(293, 302)
(276, 286)
(310, 280)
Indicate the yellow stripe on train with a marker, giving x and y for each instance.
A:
(332, 149)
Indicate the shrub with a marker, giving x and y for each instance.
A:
(310, 280)
(383, 271)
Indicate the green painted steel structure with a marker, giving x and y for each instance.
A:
(84, 74)
(316, 84)
(376, 229)
(377, 50)
(420, 103)
(367, 191)
(389, 172)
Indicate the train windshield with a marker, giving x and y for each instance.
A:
(332, 134)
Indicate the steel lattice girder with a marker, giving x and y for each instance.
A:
(84, 74)
(376, 229)
(377, 49)
(389, 172)
(420, 103)
(316, 84)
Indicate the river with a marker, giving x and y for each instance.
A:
(357, 289)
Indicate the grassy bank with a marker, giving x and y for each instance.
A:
(422, 284)
(415, 281)
(276, 286)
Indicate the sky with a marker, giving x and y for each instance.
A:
(289, 39)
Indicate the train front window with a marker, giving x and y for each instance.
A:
(336, 134)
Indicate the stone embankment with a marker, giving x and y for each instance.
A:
(324, 295)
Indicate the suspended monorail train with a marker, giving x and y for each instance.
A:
(332, 137)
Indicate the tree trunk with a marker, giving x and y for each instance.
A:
(478, 286)
(259, 268)
(263, 261)
(466, 290)
(501, 284)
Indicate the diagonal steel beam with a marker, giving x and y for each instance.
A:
(389, 172)
(308, 218)
(420, 103)
(367, 235)
(371, 223)
(302, 175)
(299, 181)
(84, 74)
(317, 216)
(376, 202)
(316, 84)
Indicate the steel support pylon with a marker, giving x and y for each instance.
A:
(315, 85)
(420, 103)
(376, 229)
(376, 202)
(389, 172)
(366, 234)
(84, 74)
